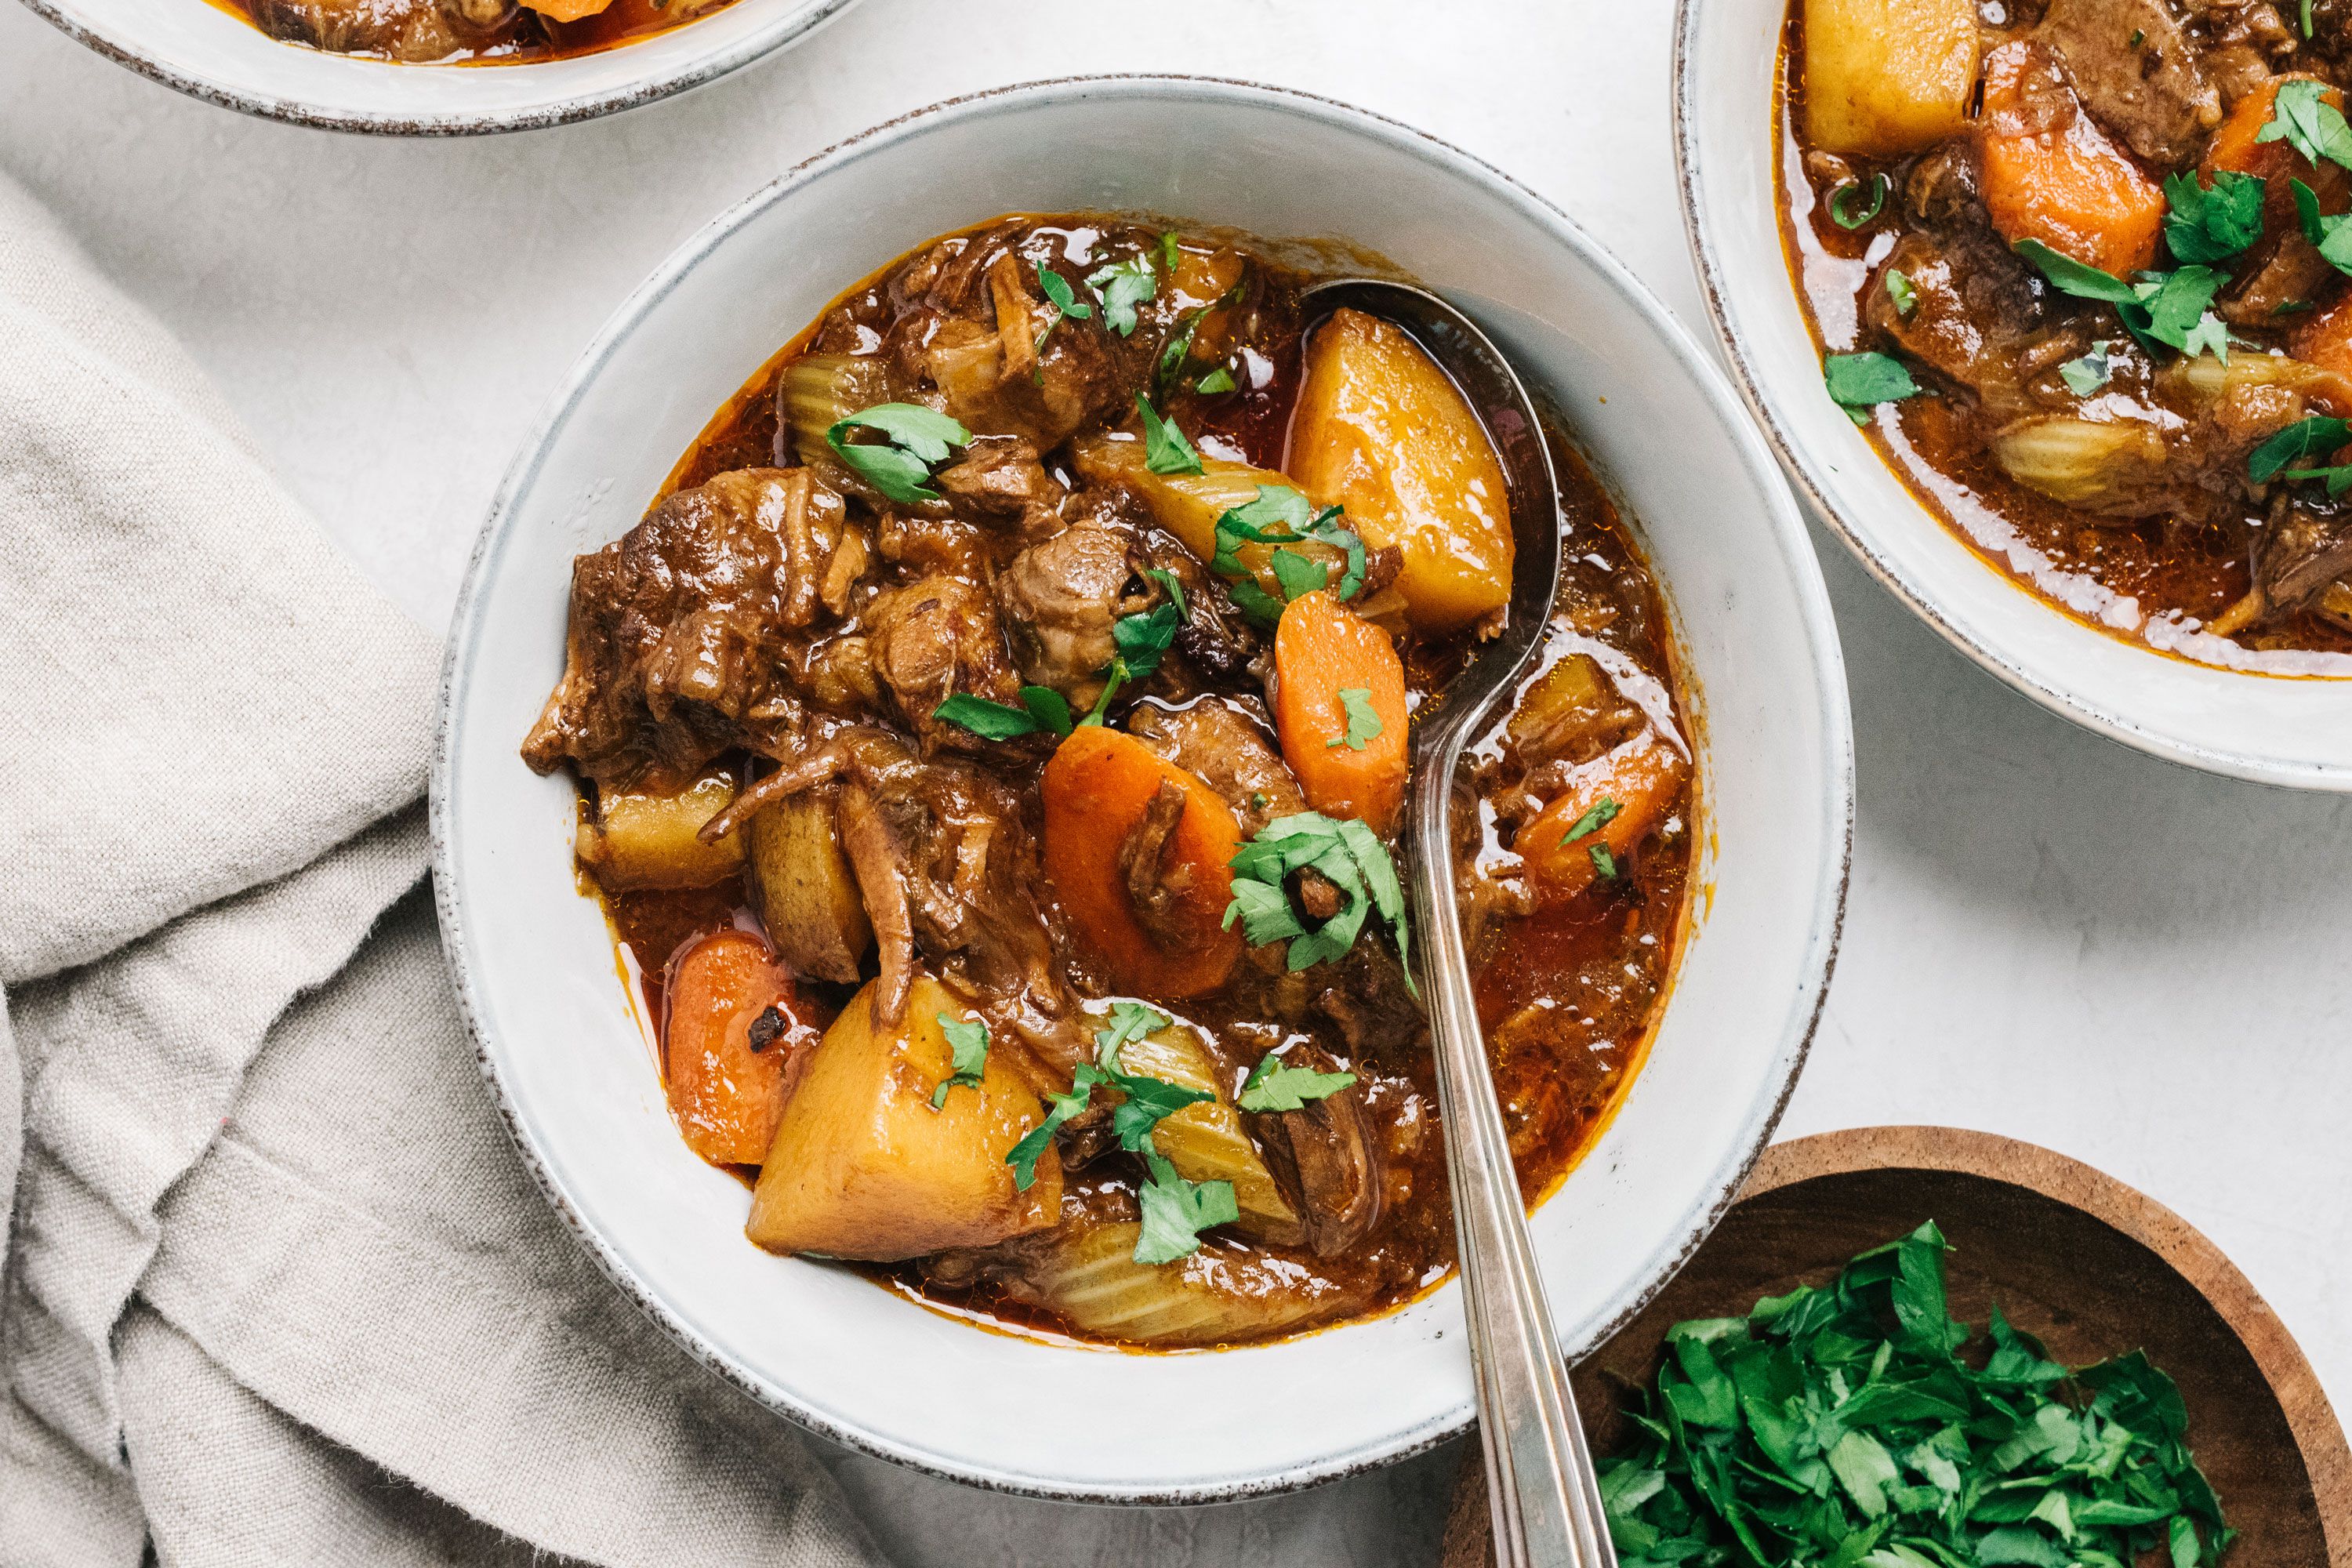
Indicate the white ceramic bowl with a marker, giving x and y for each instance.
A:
(532, 962)
(2294, 731)
(206, 53)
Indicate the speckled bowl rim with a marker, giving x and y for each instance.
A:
(1712, 272)
(1780, 519)
(789, 27)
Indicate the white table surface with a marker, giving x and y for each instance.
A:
(2048, 936)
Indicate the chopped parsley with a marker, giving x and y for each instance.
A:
(1275, 1086)
(1840, 1425)
(1175, 1211)
(2302, 117)
(1603, 811)
(1281, 515)
(1063, 298)
(1841, 210)
(2090, 372)
(1363, 724)
(2313, 438)
(1218, 381)
(1165, 451)
(1602, 861)
(1141, 638)
(1042, 708)
(1901, 291)
(968, 1039)
(1857, 382)
(2331, 234)
(1343, 851)
(2167, 308)
(899, 467)
(2213, 223)
(1121, 287)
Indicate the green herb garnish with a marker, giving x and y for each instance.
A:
(1840, 1426)
(969, 1040)
(2313, 438)
(1343, 851)
(1042, 708)
(1841, 210)
(1602, 861)
(2213, 223)
(1281, 515)
(1216, 383)
(1121, 287)
(2331, 234)
(1063, 298)
(2303, 119)
(919, 438)
(1175, 1212)
(1363, 724)
(1604, 812)
(1275, 1086)
(1165, 451)
(1900, 290)
(1857, 382)
(2086, 375)
(2167, 308)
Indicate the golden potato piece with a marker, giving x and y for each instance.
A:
(1884, 77)
(1382, 432)
(807, 895)
(862, 1167)
(648, 840)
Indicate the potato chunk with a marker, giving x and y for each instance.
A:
(1382, 432)
(863, 1167)
(1884, 77)
(807, 895)
(647, 840)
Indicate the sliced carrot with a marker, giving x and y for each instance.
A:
(1097, 787)
(727, 1095)
(1323, 651)
(2073, 189)
(1617, 800)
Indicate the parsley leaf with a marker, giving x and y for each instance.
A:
(2091, 372)
(1024, 1156)
(1841, 210)
(1141, 638)
(1900, 290)
(1859, 380)
(1175, 1212)
(1837, 1427)
(969, 1040)
(2331, 234)
(1064, 301)
(2213, 223)
(1165, 451)
(1602, 861)
(1281, 515)
(1363, 724)
(919, 438)
(1275, 1086)
(1343, 851)
(2301, 116)
(1297, 574)
(1043, 709)
(1604, 812)
(2162, 308)
(2313, 438)
(1218, 381)
(1121, 287)
(2069, 276)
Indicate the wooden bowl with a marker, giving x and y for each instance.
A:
(2089, 1265)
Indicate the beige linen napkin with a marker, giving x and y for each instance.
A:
(276, 1289)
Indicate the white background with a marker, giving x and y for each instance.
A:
(2048, 936)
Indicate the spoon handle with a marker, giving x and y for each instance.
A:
(1540, 1487)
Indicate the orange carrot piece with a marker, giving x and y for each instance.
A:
(2073, 189)
(2326, 341)
(2234, 146)
(1641, 779)
(1322, 649)
(1096, 788)
(727, 1096)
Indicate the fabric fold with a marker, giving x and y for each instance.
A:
(276, 1287)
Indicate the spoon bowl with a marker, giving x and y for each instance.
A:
(1541, 1490)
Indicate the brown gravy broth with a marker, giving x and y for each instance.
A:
(1569, 992)
(2152, 580)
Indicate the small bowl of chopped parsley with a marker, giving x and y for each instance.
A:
(1919, 1347)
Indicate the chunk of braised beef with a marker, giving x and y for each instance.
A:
(932, 638)
(1228, 743)
(1060, 598)
(2139, 73)
(2298, 557)
(408, 30)
(1326, 1160)
(678, 628)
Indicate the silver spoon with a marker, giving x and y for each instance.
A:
(1540, 1487)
